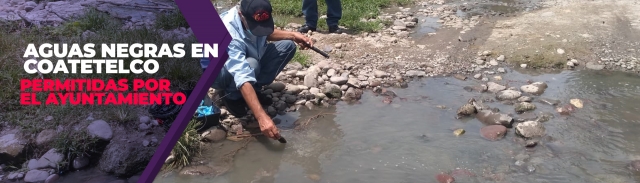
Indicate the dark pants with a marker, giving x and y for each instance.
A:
(310, 10)
(276, 57)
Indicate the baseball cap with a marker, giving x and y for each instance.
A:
(257, 13)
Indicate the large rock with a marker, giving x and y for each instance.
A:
(11, 146)
(493, 132)
(100, 129)
(80, 162)
(45, 137)
(524, 107)
(339, 80)
(466, 110)
(380, 74)
(353, 94)
(530, 129)
(216, 135)
(276, 86)
(294, 89)
(489, 117)
(354, 83)
(36, 176)
(125, 159)
(34, 164)
(52, 178)
(51, 158)
(536, 88)
(311, 79)
(508, 95)
(495, 87)
(332, 91)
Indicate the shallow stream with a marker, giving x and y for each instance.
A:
(412, 140)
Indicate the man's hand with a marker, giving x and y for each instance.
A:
(296, 37)
(269, 129)
(302, 40)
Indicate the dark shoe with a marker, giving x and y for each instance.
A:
(237, 108)
(335, 29)
(305, 29)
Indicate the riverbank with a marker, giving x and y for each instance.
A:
(472, 41)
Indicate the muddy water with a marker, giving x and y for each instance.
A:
(411, 140)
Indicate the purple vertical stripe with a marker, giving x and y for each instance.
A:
(209, 29)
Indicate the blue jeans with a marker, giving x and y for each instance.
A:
(310, 10)
(276, 57)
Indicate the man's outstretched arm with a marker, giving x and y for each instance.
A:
(244, 77)
(266, 124)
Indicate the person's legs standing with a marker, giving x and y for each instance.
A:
(310, 11)
(275, 58)
(334, 14)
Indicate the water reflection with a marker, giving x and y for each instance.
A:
(411, 140)
(268, 161)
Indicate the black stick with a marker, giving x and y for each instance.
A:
(325, 55)
(282, 140)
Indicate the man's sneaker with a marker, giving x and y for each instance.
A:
(335, 29)
(305, 29)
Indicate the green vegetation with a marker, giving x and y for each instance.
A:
(301, 58)
(171, 20)
(353, 11)
(187, 146)
(75, 143)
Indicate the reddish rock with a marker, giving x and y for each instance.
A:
(493, 132)
(444, 178)
(565, 109)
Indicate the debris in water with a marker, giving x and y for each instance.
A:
(531, 168)
(458, 132)
(577, 103)
(314, 177)
(387, 100)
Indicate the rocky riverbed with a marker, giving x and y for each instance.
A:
(396, 55)
(464, 47)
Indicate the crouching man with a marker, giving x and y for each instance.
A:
(254, 63)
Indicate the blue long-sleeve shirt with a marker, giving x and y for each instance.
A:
(242, 46)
